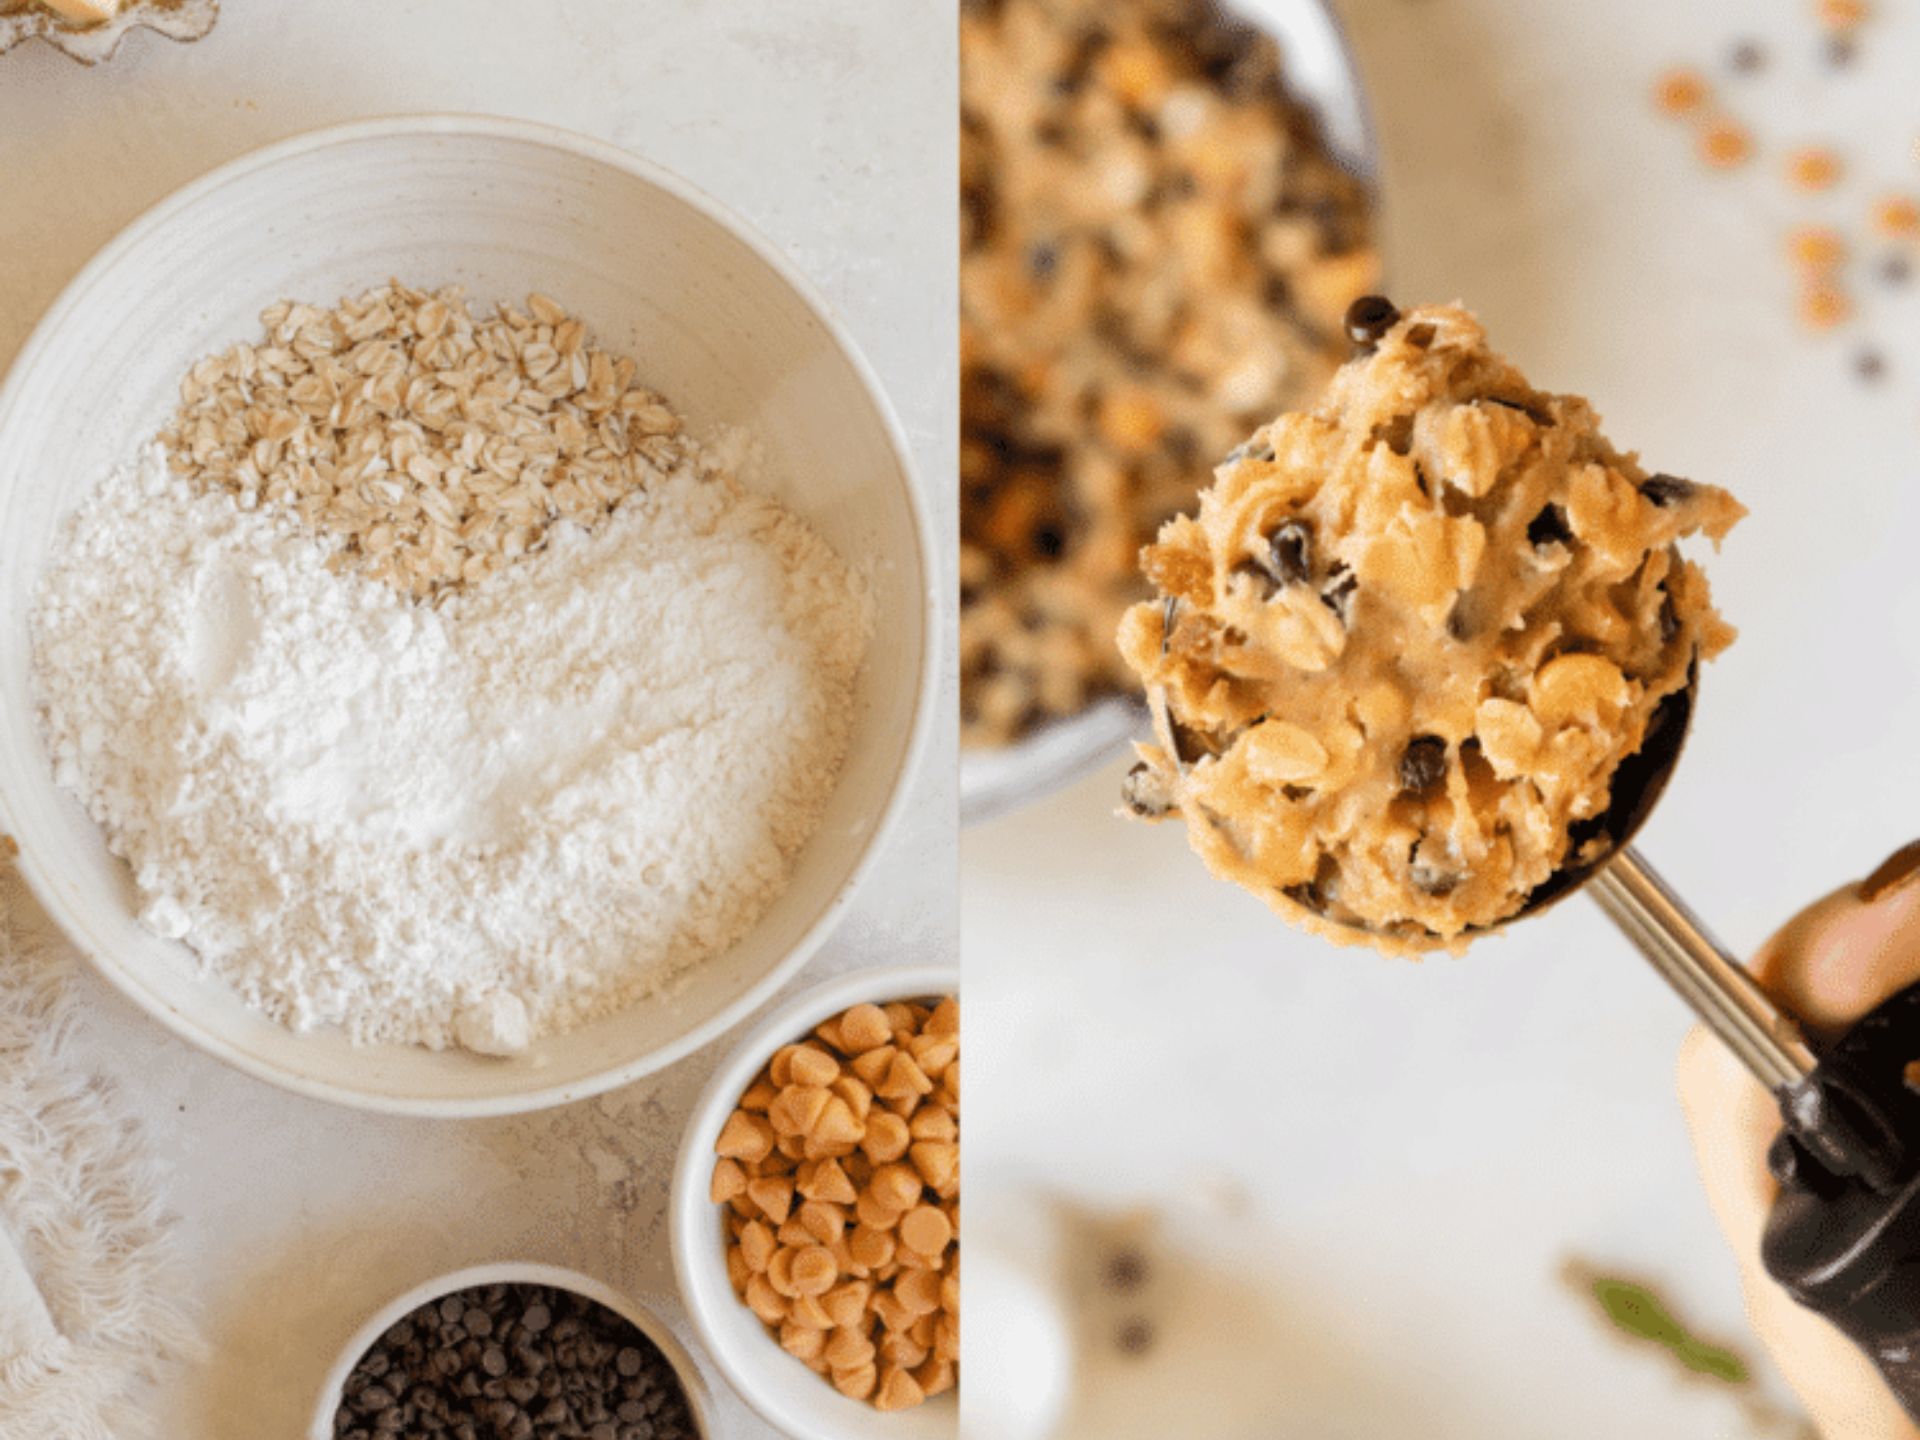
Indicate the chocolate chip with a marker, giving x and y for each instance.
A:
(1042, 260)
(1338, 595)
(1049, 540)
(1870, 365)
(1549, 527)
(1397, 433)
(1125, 1272)
(1369, 319)
(1666, 490)
(1896, 269)
(1134, 1337)
(1840, 51)
(1145, 792)
(1423, 764)
(433, 1373)
(1289, 556)
(1747, 58)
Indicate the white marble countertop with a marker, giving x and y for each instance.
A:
(1420, 1147)
(831, 128)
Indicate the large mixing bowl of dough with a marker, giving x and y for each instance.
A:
(732, 333)
(1321, 72)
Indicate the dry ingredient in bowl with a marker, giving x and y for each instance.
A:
(1410, 636)
(1158, 248)
(840, 1174)
(576, 776)
(514, 1362)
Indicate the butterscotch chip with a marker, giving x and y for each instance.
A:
(918, 1291)
(886, 1138)
(746, 1138)
(872, 1066)
(935, 1377)
(813, 1271)
(1725, 144)
(937, 1162)
(1681, 92)
(796, 1110)
(813, 1066)
(774, 1195)
(802, 1341)
(896, 1186)
(828, 1182)
(848, 1349)
(1817, 250)
(856, 1384)
(1841, 14)
(925, 1229)
(1825, 307)
(871, 1246)
(729, 1180)
(898, 1390)
(1813, 168)
(1897, 217)
(836, 1130)
(765, 1301)
(846, 1303)
(863, 1028)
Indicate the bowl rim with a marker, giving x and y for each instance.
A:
(72, 299)
(693, 1383)
(689, 1211)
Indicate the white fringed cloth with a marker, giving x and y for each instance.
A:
(88, 1315)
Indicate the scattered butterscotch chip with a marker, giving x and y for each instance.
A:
(1841, 14)
(1817, 250)
(1824, 306)
(1681, 91)
(838, 1176)
(1725, 144)
(1813, 168)
(1897, 217)
(9, 849)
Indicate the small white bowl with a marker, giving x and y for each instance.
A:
(785, 1392)
(716, 319)
(553, 1277)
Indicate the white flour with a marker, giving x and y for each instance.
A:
(528, 808)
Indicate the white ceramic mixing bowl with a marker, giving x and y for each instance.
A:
(716, 319)
(784, 1391)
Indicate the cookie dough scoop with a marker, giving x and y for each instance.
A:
(1422, 664)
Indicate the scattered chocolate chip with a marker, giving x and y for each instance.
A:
(1896, 269)
(1289, 557)
(1840, 51)
(1369, 319)
(1423, 764)
(1747, 57)
(1549, 527)
(1126, 1272)
(1870, 365)
(1145, 792)
(1042, 260)
(1134, 1337)
(1049, 540)
(1666, 489)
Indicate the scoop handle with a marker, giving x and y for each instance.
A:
(1843, 1236)
(1717, 987)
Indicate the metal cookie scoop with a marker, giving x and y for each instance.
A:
(1844, 1234)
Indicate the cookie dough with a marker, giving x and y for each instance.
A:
(1157, 252)
(1410, 636)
